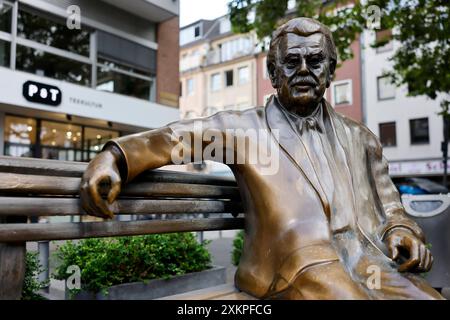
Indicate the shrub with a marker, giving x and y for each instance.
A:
(31, 285)
(238, 244)
(112, 261)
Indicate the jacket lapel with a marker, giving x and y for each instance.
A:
(294, 147)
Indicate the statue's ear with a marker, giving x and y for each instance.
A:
(272, 70)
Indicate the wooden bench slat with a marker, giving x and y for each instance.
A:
(66, 231)
(76, 169)
(23, 206)
(69, 186)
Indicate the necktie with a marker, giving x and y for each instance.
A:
(308, 123)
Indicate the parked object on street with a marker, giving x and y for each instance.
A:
(420, 186)
(432, 213)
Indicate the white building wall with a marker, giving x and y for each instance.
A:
(2, 131)
(400, 109)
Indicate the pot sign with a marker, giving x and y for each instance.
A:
(42, 93)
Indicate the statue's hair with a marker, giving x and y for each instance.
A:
(303, 27)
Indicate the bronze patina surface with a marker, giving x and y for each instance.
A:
(328, 222)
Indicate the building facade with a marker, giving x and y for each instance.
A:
(410, 128)
(74, 74)
(217, 68)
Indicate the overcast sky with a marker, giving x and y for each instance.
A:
(193, 10)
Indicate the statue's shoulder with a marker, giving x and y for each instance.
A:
(359, 129)
(242, 114)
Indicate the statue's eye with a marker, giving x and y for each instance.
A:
(292, 62)
(315, 61)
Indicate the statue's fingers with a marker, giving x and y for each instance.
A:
(115, 189)
(429, 260)
(86, 201)
(422, 257)
(413, 260)
(99, 203)
(393, 251)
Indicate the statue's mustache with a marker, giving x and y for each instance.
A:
(304, 81)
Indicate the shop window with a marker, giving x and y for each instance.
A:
(19, 136)
(388, 136)
(95, 139)
(61, 141)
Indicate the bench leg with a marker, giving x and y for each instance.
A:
(12, 270)
(12, 265)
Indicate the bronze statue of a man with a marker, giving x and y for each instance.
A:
(328, 223)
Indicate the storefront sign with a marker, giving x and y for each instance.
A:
(411, 168)
(42, 93)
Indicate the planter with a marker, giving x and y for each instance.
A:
(158, 288)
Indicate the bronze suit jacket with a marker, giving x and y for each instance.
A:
(288, 216)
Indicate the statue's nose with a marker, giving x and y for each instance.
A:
(303, 68)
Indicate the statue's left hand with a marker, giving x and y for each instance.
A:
(403, 243)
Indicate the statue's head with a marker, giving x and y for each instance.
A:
(301, 61)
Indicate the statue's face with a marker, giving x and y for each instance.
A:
(302, 72)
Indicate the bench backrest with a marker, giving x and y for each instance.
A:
(36, 187)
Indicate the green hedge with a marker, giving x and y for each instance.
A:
(112, 261)
(238, 244)
(31, 284)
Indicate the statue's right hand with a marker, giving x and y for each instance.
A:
(102, 171)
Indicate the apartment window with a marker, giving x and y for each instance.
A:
(419, 131)
(190, 87)
(229, 78)
(5, 16)
(244, 75)
(342, 92)
(215, 82)
(123, 79)
(52, 31)
(388, 136)
(5, 48)
(197, 31)
(235, 48)
(386, 89)
(384, 36)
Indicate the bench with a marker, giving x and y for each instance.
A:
(175, 201)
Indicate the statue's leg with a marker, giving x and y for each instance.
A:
(392, 284)
(328, 281)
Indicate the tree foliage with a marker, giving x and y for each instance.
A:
(421, 26)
